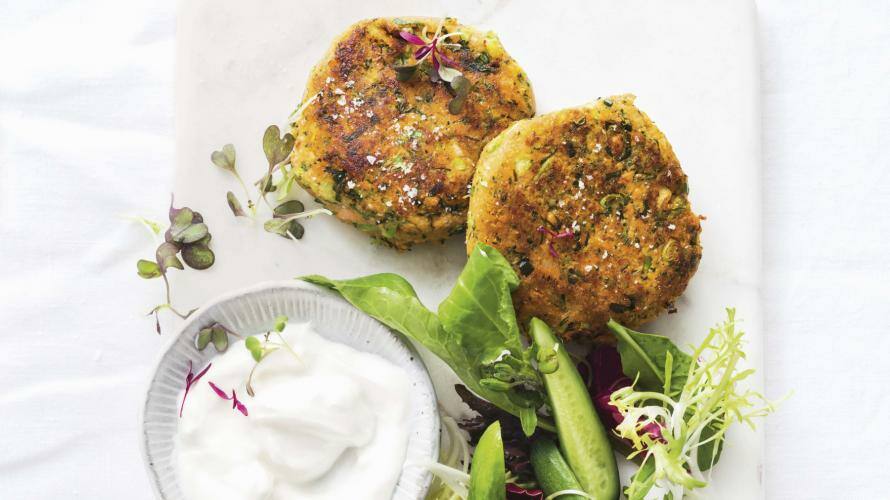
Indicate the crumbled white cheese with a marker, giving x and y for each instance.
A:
(371, 159)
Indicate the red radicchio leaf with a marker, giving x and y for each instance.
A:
(519, 493)
(190, 379)
(608, 377)
(411, 38)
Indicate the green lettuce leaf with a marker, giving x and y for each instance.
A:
(475, 331)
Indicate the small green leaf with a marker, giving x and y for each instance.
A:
(461, 87)
(190, 233)
(225, 159)
(548, 361)
(152, 226)
(296, 229)
(181, 216)
(198, 256)
(267, 185)
(276, 147)
(255, 347)
(148, 269)
(289, 208)
(203, 338)
(282, 227)
(404, 73)
(220, 338)
(528, 418)
(280, 323)
(165, 256)
(235, 205)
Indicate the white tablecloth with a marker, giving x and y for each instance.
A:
(86, 122)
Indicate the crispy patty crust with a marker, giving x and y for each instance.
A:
(590, 206)
(387, 156)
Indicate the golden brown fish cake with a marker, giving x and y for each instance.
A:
(590, 206)
(388, 156)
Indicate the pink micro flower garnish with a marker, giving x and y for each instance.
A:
(515, 492)
(236, 403)
(568, 233)
(443, 64)
(190, 379)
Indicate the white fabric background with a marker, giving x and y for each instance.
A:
(86, 136)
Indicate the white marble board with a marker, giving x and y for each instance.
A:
(692, 64)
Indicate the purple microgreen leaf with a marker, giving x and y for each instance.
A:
(286, 228)
(411, 38)
(198, 256)
(237, 404)
(148, 269)
(201, 373)
(157, 323)
(189, 233)
(191, 379)
(290, 207)
(181, 216)
(235, 205)
(446, 60)
(166, 257)
(225, 159)
(276, 147)
(219, 392)
(422, 52)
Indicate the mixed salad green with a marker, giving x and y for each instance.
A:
(665, 409)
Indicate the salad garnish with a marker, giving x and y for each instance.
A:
(277, 148)
(236, 403)
(187, 237)
(260, 350)
(191, 379)
(444, 66)
(697, 402)
(662, 407)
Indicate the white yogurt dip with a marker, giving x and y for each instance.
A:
(326, 421)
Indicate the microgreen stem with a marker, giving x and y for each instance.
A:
(169, 304)
(309, 213)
